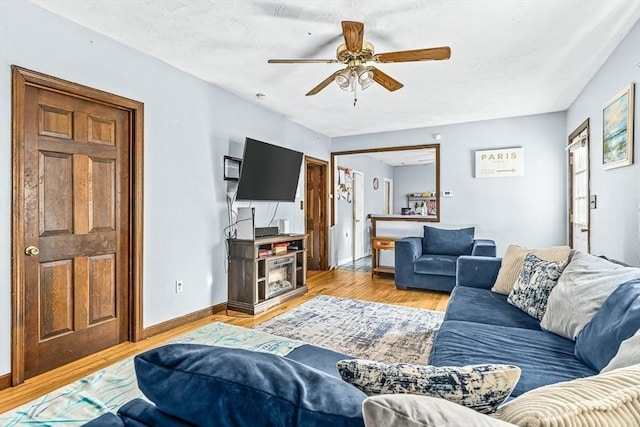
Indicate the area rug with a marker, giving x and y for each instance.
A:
(381, 332)
(108, 389)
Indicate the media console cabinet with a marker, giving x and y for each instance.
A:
(266, 272)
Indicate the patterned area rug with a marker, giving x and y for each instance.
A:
(381, 332)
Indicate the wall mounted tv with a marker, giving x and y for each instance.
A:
(268, 172)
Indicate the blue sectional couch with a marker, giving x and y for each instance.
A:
(214, 386)
(429, 262)
(480, 326)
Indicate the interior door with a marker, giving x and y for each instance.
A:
(358, 215)
(76, 227)
(315, 214)
(579, 209)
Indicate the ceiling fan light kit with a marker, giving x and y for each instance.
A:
(355, 53)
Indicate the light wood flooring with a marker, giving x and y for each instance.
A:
(340, 283)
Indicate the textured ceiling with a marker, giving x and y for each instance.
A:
(509, 57)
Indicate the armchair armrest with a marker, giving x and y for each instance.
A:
(483, 247)
(407, 250)
(477, 271)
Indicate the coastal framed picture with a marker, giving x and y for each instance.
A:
(617, 130)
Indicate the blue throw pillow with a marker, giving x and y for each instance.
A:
(218, 386)
(617, 320)
(437, 241)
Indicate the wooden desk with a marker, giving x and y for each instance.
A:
(379, 243)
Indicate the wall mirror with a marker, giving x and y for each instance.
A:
(408, 190)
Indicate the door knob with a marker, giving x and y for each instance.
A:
(584, 230)
(32, 251)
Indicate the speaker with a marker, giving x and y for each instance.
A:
(283, 226)
(245, 226)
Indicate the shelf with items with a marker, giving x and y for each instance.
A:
(261, 277)
(424, 204)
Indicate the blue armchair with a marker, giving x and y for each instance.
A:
(429, 262)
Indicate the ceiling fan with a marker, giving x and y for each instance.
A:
(355, 52)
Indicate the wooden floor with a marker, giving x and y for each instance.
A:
(340, 283)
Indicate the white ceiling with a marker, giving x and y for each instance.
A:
(509, 57)
(422, 156)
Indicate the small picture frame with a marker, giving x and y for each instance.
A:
(617, 130)
(231, 168)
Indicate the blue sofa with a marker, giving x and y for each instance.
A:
(429, 262)
(480, 326)
(214, 386)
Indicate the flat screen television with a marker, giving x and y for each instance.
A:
(268, 172)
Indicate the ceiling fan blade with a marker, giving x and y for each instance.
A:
(385, 80)
(323, 84)
(302, 61)
(353, 34)
(432, 54)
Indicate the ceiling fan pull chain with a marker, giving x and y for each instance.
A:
(355, 91)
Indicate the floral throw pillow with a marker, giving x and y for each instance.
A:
(479, 387)
(535, 282)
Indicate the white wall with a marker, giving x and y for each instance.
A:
(614, 223)
(189, 126)
(527, 210)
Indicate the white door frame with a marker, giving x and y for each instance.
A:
(388, 196)
(358, 214)
(579, 191)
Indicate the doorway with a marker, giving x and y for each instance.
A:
(77, 222)
(579, 193)
(315, 213)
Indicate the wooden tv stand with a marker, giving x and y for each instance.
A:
(259, 280)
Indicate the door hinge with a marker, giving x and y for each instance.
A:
(570, 217)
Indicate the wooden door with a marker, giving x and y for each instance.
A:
(579, 193)
(315, 214)
(76, 213)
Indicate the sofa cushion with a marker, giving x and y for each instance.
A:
(319, 358)
(139, 412)
(410, 410)
(535, 282)
(484, 306)
(617, 320)
(544, 358)
(585, 284)
(513, 259)
(479, 387)
(437, 241)
(439, 265)
(611, 399)
(106, 420)
(218, 386)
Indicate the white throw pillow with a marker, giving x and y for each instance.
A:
(628, 354)
(479, 387)
(514, 258)
(611, 399)
(583, 287)
(407, 410)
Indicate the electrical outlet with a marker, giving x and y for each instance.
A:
(179, 286)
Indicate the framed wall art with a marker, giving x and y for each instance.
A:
(231, 168)
(617, 130)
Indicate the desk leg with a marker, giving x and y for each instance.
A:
(374, 261)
